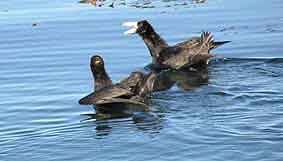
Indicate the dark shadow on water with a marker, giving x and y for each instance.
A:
(105, 119)
(185, 79)
(148, 120)
(151, 120)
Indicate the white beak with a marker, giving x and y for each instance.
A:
(133, 27)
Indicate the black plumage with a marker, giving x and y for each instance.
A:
(194, 52)
(132, 90)
(100, 76)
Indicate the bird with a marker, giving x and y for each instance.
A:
(194, 52)
(101, 78)
(93, 2)
(132, 90)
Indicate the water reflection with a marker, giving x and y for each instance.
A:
(183, 79)
(141, 3)
(145, 121)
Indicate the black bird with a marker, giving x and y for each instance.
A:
(194, 52)
(100, 76)
(132, 90)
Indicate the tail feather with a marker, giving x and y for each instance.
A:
(207, 39)
(218, 43)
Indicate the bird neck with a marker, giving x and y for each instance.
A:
(101, 79)
(154, 43)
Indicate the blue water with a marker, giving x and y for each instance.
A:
(45, 48)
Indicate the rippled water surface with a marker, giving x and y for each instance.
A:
(45, 48)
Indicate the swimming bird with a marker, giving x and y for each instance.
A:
(101, 78)
(194, 52)
(131, 90)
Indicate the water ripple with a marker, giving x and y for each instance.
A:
(44, 58)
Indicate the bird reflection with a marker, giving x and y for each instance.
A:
(144, 121)
(185, 79)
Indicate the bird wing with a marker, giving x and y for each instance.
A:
(183, 57)
(189, 43)
(192, 52)
(122, 100)
(132, 81)
(105, 94)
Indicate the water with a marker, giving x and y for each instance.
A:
(45, 48)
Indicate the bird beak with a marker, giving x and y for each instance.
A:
(96, 62)
(133, 27)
